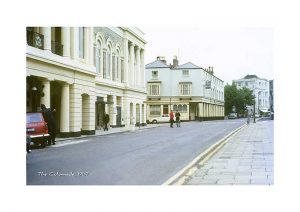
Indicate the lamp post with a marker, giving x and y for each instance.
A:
(258, 103)
(34, 90)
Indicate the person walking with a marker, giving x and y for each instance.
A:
(177, 115)
(105, 121)
(48, 114)
(171, 119)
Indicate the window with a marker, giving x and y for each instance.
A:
(154, 74)
(179, 107)
(184, 108)
(122, 70)
(175, 107)
(185, 89)
(113, 67)
(108, 64)
(185, 73)
(104, 65)
(97, 57)
(154, 89)
(81, 42)
(155, 110)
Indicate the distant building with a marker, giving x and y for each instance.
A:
(260, 88)
(271, 91)
(195, 92)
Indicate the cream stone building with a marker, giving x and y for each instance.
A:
(195, 92)
(84, 71)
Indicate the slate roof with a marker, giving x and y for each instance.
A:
(188, 65)
(157, 64)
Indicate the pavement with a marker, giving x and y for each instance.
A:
(246, 159)
(111, 130)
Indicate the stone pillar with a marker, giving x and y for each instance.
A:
(74, 42)
(131, 66)
(142, 68)
(65, 39)
(65, 110)
(91, 45)
(46, 31)
(138, 67)
(125, 44)
(75, 110)
(86, 53)
(144, 111)
(112, 113)
(134, 113)
(46, 98)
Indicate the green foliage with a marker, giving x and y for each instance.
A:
(239, 98)
(33, 81)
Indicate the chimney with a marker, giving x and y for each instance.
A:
(175, 62)
(162, 59)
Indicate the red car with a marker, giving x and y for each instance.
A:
(37, 129)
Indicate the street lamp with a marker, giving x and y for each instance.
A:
(258, 103)
(34, 98)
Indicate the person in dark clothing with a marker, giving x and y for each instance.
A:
(48, 114)
(177, 115)
(105, 121)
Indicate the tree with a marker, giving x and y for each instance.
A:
(238, 98)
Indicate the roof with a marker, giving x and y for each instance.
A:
(250, 76)
(157, 64)
(188, 65)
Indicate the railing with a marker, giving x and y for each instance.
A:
(57, 48)
(35, 39)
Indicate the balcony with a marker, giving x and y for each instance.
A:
(35, 39)
(57, 48)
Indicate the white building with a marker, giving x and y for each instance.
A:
(260, 88)
(84, 71)
(183, 88)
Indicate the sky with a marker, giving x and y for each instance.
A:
(234, 52)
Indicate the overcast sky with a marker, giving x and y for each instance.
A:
(233, 52)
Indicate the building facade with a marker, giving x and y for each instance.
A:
(260, 88)
(195, 92)
(271, 91)
(84, 71)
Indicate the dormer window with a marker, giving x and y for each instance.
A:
(154, 74)
(185, 73)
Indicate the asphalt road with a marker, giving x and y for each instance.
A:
(144, 157)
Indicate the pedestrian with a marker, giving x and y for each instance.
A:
(177, 115)
(28, 141)
(171, 119)
(48, 114)
(105, 121)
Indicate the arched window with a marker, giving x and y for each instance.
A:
(175, 107)
(184, 108)
(97, 56)
(179, 107)
(108, 62)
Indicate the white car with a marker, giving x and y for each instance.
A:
(162, 118)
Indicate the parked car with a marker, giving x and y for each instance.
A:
(37, 129)
(162, 118)
(232, 115)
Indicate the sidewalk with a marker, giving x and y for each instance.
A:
(110, 131)
(247, 158)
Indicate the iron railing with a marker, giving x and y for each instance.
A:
(57, 48)
(35, 39)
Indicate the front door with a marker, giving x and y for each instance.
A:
(119, 116)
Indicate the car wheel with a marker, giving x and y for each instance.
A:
(154, 121)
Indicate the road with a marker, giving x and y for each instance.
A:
(144, 157)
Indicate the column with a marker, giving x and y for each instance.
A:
(134, 113)
(144, 113)
(91, 45)
(65, 39)
(125, 44)
(86, 54)
(131, 65)
(46, 98)
(46, 31)
(138, 67)
(65, 110)
(74, 42)
(142, 68)
(112, 113)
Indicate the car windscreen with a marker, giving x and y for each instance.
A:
(33, 117)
